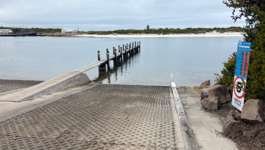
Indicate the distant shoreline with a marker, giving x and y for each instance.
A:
(210, 34)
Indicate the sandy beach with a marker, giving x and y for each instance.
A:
(210, 34)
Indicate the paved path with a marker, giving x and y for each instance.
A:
(102, 117)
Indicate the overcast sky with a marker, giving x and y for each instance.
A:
(115, 14)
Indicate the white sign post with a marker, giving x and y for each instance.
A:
(238, 93)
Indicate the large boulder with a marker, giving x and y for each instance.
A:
(231, 120)
(253, 111)
(221, 92)
(214, 96)
(204, 84)
(210, 103)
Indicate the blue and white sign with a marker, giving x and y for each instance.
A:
(241, 73)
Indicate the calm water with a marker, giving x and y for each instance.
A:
(187, 61)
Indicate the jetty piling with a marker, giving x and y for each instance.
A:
(102, 67)
(130, 49)
(139, 45)
(114, 53)
(126, 50)
(98, 55)
(120, 55)
(108, 58)
(123, 47)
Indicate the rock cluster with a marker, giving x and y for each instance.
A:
(213, 97)
(253, 113)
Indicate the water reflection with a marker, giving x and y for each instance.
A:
(118, 68)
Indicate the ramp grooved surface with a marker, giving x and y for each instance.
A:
(103, 117)
(9, 85)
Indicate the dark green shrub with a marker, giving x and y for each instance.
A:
(254, 12)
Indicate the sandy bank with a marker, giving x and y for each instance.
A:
(211, 34)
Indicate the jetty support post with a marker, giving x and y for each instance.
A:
(134, 47)
(122, 47)
(115, 53)
(102, 67)
(139, 45)
(131, 45)
(120, 55)
(124, 51)
(138, 48)
(119, 50)
(107, 51)
(125, 47)
(130, 48)
(98, 55)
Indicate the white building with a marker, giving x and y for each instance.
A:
(68, 30)
(5, 31)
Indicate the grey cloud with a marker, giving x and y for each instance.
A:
(116, 14)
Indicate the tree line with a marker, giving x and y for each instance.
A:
(36, 30)
(149, 30)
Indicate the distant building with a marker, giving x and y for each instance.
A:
(68, 30)
(5, 31)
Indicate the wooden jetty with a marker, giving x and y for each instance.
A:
(73, 78)
(121, 53)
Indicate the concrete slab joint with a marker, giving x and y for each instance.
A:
(187, 134)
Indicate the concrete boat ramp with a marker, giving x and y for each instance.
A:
(94, 116)
(98, 116)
